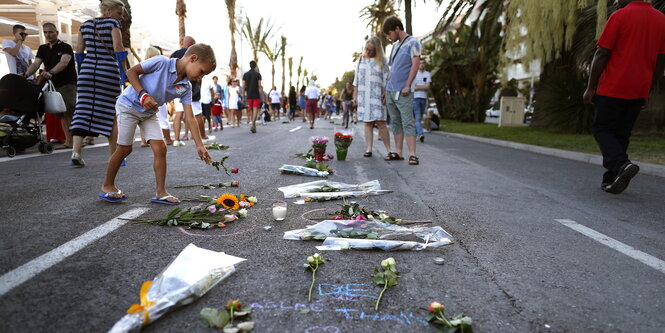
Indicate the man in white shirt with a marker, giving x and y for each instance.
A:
(420, 87)
(19, 56)
(312, 96)
(274, 102)
(207, 92)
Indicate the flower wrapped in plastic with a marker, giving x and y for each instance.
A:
(321, 197)
(326, 186)
(372, 235)
(302, 171)
(193, 273)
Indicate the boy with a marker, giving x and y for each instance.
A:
(154, 82)
(217, 110)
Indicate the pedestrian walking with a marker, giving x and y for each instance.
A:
(312, 96)
(347, 100)
(207, 94)
(293, 100)
(58, 60)
(233, 98)
(302, 102)
(404, 63)
(420, 88)
(217, 111)
(629, 61)
(98, 85)
(187, 41)
(154, 82)
(369, 95)
(275, 98)
(251, 82)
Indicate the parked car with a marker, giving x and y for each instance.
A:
(492, 113)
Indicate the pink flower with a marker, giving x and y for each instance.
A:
(360, 218)
(244, 204)
(235, 183)
(212, 209)
(434, 306)
(234, 170)
(337, 218)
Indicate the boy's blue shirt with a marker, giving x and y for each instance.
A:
(158, 80)
(401, 62)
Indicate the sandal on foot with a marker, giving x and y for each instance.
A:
(108, 196)
(413, 160)
(77, 160)
(165, 200)
(393, 157)
(368, 154)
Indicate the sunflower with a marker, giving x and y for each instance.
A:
(229, 201)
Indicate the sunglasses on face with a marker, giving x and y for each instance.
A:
(48, 32)
(23, 34)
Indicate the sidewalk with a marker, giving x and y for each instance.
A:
(645, 168)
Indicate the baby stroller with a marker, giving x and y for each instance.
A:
(20, 119)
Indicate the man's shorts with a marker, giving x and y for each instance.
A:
(128, 118)
(196, 108)
(206, 110)
(68, 92)
(253, 103)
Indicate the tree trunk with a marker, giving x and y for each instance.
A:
(273, 74)
(181, 11)
(233, 61)
(407, 16)
(283, 73)
(126, 25)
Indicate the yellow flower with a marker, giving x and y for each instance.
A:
(248, 199)
(229, 201)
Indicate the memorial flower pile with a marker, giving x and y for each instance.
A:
(215, 146)
(211, 213)
(309, 154)
(319, 144)
(354, 211)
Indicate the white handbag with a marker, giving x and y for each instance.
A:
(53, 102)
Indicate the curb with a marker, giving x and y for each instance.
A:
(646, 168)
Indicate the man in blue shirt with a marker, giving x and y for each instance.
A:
(154, 82)
(404, 62)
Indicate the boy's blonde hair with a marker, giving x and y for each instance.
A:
(204, 52)
(151, 52)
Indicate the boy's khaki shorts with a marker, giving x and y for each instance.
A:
(128, 118)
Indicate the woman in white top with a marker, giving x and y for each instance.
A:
(369, 94)
(233, 93)
(274, 102)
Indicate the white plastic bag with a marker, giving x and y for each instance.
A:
(53, 102)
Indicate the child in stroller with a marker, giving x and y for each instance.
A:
(20, 116)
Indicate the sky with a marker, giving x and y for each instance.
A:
(325, 33)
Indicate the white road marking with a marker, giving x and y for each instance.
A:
(612, 243)
(29, 270)
(59, 151)
(295, 129)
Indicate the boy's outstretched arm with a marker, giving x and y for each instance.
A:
(193, 125)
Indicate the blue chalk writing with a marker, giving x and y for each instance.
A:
(407, 319)
(347, 315)
(317, 306)
(346, 290)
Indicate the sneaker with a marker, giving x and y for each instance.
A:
(626, 173)
(422, 138)
(77, 160)
(178, 143)
(211, 137)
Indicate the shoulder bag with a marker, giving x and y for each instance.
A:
(53, 102)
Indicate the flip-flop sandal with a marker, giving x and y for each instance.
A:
(413, 160)
(108, 196)
(368, 154)
(164, 200)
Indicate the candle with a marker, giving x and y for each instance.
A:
(279, 211)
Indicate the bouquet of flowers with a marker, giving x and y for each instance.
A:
(326, 186)
(343, 141)
(192, 274)
(322, 197)
(319, 144)
(353, 211)
(302, 171)
(311, 163)
(307, 155)
(213, 212)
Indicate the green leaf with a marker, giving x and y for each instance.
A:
(173, 212)
(214, 318)
(305, 311)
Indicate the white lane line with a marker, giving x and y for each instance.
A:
(29, 270)
(295, 129)
(644, 258)
(59, 151)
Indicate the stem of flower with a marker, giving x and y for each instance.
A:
(376, 308)
(309, 298)
(231, 312)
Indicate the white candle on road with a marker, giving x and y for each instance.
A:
(279, 211)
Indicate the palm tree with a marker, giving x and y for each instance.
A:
(290, 71)
(273, 55)
(304, 77)
(257, 36)
(282, 50)
(299, 72)
(233, 59)
(375, 14)
(181, 11)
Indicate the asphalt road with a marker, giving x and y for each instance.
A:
(521, 261)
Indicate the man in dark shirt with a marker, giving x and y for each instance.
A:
(58, 59)
(629, 60)
(251, 83)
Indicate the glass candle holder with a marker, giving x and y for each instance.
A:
(279, 211)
